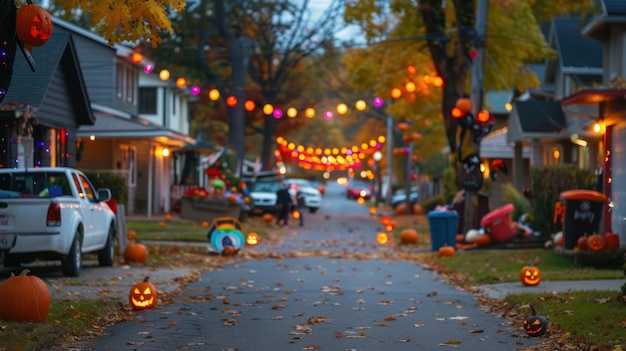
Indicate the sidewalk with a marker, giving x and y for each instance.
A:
(500, 291)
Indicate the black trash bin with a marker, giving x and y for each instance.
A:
(583, 214)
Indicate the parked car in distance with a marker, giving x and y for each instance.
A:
(312, 196)
(263, 195)
(399, 196)
(358, 189)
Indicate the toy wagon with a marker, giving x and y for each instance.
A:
(225, 235)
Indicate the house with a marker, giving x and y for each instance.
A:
(56, 91)
(606, 106)
(537, 119)
(120, 140)
(92, 114)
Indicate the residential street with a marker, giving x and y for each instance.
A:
(319, 298)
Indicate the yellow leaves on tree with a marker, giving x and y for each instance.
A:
(129, 20)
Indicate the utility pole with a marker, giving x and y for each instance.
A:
(389, 143)
(470, 218)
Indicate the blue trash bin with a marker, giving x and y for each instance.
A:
(443, 227)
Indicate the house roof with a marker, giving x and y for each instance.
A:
(495, 145)
(536, 119)
(593, 96)
(574, 49)
(110, 126)
(57, 55)
(610, 12)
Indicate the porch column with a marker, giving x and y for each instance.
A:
(517, 173)
(536, 157)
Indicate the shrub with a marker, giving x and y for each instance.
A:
(430, 203)
(519, 201)
(115, 182)
(546, 185)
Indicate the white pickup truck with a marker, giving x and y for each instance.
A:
(52, 213)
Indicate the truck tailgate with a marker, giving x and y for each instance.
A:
(28, 214)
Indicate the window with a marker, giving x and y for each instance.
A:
(126, 79)
(148, 101)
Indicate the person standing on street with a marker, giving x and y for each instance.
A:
(298, 201)
(284, 203)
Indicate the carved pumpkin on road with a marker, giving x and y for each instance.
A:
(143, 295)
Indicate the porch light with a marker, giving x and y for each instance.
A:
(598, 127)
(165, 152)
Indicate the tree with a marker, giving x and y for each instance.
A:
(436, 40)
(249, 50)
(121, 21)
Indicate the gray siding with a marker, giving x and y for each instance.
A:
(97, 62)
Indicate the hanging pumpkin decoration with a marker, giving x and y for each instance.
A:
(408, 236)
(136, 253)
(33, 25)
(24, 298)
(535, 325)
(464, 104)
(143, 295)
(611, 241)
(446, 251)
(530, 275)
(596, 242)
(252, 239)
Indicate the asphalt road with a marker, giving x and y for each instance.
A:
(321, 298)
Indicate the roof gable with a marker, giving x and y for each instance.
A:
(57, 55)
(574, 49)
(540, 116)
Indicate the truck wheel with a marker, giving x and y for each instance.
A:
(106, 256)
(72, 263)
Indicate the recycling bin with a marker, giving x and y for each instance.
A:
(443, 228)
(583, 214)
(498, 223)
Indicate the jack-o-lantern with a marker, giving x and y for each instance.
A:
(252, 239)
(143, 295)
(24, 298)
(530, 275)
(595, 242)
(372, 210)
(382, 238)
(33, 25)
(535, 325)
(296, 214)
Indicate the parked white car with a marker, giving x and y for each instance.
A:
(312, 196)
(263, 194)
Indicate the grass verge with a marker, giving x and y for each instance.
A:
(67, 323)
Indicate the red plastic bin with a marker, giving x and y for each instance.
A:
(498, 223)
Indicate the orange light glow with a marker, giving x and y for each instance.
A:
(456, 112)
(137, 57)
(231, 101)
(483, 116)
(249, 105)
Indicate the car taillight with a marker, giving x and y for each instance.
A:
(53, 219)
